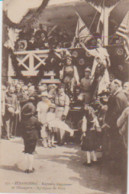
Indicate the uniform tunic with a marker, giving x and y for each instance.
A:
(86, 89)
(11, 105)
(62, 108)
(62, 105)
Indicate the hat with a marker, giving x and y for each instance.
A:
(43, 94)
(52, 106)
(118, 82)
(32, 98)
(87, 69)
(18, 86)
(31, 87)
(104, 93)
(29, 84)
(51, 86)
(69, 57)
(42, 88)
(28, 110)
(24, 88)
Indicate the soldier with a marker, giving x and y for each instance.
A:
(11, 105)
(85, 86)
(62, 108)
(52, 91)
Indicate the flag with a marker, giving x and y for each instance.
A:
(123, 31)
(82, 33)
(13, 35)
(124, 26)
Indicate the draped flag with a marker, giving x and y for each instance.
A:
(123, 31)
(13, 35)
(82, 33)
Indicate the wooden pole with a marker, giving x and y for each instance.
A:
(106, 15)
(106, 26)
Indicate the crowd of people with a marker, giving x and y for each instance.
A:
(43, 38)
(41, 111)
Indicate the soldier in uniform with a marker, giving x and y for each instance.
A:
(11, 105)
(85, 86)
(62, 108)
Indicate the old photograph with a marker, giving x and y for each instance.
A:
(64, 96)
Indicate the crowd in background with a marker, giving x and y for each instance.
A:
(43, 38)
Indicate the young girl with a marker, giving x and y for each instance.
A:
(42, 109)
(89, 138)
(50, 126)
(54, 123)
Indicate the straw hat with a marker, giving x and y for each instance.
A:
(44, 94)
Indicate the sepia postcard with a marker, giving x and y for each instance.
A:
(64, 96)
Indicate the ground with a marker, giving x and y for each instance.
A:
(58, 170)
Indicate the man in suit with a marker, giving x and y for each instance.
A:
(116, 104)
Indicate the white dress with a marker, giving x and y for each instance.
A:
(54, 122)
(42, 109)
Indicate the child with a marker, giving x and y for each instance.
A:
(30, 127)
(54, 123)
(50, 123)
(89, 126)
(42, 109)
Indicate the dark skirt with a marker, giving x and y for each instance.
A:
(89, 143)
(30, 139)
(30, 145)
